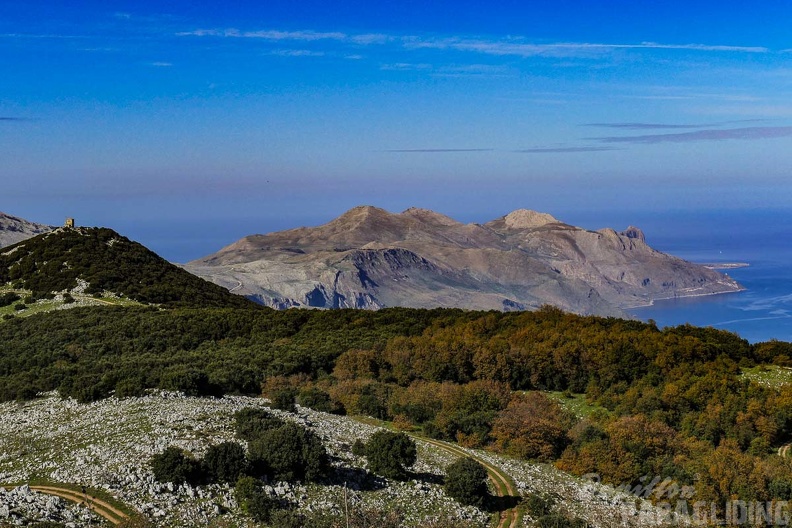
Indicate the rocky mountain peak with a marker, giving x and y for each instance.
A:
(362, 211)
(527, 219)
(428, 216)
(634, 232)
(361, 215)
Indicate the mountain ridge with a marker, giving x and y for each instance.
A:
(371, 258)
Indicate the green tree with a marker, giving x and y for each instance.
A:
(289, 453)
(253, 500)
(225, 462)
(319, 400)
(283, 399)
(466, 481)
(390, 454)
(250, 423)
(174, 465)
(8, 298)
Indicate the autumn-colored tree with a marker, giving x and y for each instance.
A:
(532, 426)
(357, 364)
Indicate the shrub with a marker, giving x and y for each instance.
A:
(431, 430)
(466, 481)
(225, 462)
(538, 505)
(289, 453)
(283, 399)
(130, 387)
(557, 520)
(7, 299)
(251, 422)
(67, 298)
(319, 400)
(189, 381)
(359, 448)
(372, 405)
(20, 306)
(85, 388)
(174, 465)
(253, 500)
(389, 454)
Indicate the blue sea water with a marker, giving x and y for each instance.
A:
(760, 313)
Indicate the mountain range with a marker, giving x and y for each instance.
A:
(371, 258)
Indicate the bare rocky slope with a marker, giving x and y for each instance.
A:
(13, 229)
(371, 258)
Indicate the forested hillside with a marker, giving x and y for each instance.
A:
(673, 403)
(107, 262)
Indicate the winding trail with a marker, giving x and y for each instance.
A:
(503, 484)
(98, 506)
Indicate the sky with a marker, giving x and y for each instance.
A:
(187, 125)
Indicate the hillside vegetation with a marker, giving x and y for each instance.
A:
(674, 403)
(107, 262)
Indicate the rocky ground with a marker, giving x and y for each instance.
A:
(21, 505)
(107, 445)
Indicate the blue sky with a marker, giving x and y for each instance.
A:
(242, 117)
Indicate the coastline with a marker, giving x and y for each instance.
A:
(652, 302)
(723, 265)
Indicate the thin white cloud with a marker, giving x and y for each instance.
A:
(275, 35)
(371, 38)
(656, 126)
(474, 69)
(297, 53)
(437, 150)
(505, 47)
(41, 36)
(405, 66)
(448, 70)
(753, 133)
(160, 64)
(520, 48)
(563, 150)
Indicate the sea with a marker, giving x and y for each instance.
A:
(761, 239)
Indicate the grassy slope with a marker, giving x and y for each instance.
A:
(48, 305)
(771, 376)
